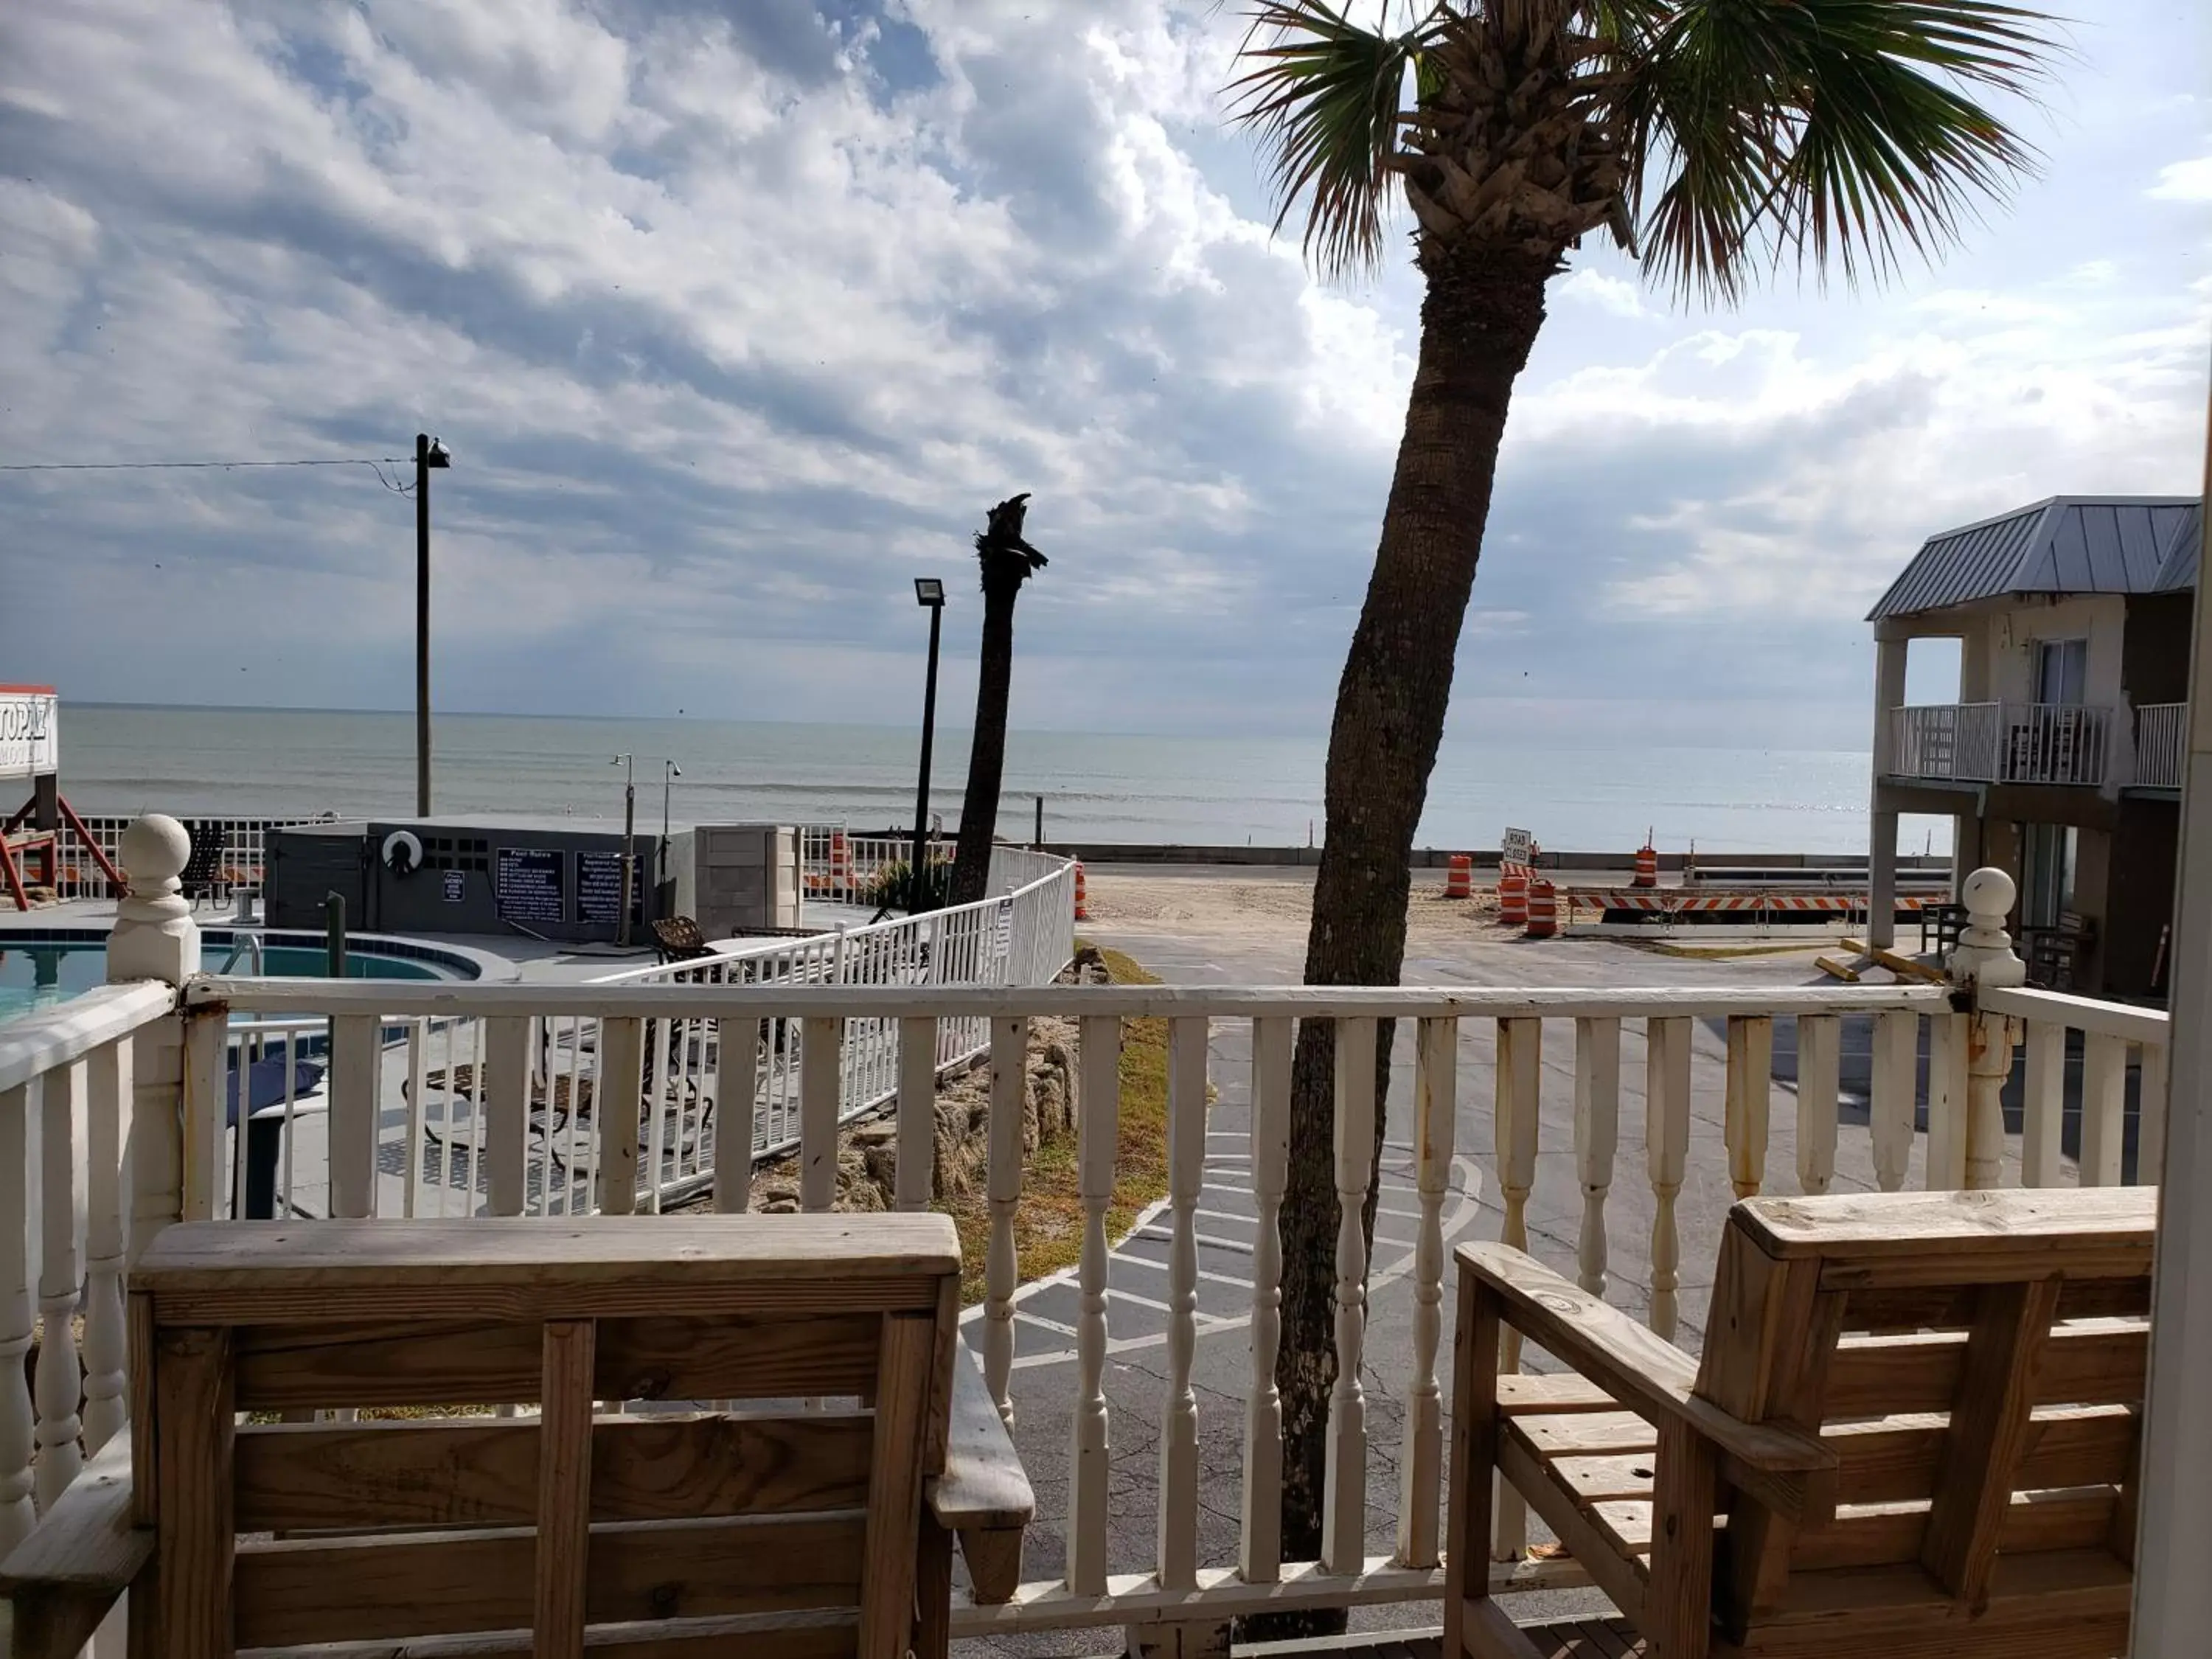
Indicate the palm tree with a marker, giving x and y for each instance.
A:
(1710, 138)
(1008, 562)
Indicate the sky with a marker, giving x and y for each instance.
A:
(737, 317)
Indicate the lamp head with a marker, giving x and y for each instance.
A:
(438, 454)
(928, 591)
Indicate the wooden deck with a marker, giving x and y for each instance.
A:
(1569, 1638)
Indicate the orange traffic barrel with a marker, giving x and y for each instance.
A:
(1082, 907)
(1459, 876)
(1647, 867)
(1512, 898)
(840, 861)
(1543, 909)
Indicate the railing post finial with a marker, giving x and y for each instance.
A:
(1984, 960)
(155, 935)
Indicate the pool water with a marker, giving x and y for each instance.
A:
(35, 974)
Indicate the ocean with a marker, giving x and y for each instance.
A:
(1098, 786)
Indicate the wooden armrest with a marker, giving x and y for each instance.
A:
(983, 1485)
(66, 1575)
(1651, 1376)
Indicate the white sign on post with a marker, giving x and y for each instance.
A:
(1519, 847)
(30, 732)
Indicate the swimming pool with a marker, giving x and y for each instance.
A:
(39, 966)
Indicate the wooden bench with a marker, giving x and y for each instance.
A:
(817, 1522)
(1914, 1432)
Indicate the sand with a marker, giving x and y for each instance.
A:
(1271, 909)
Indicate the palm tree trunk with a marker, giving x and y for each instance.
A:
(986, 754)
(1478, 319)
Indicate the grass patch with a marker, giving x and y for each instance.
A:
(1049, 1220)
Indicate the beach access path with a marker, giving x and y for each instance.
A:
(1205, 926)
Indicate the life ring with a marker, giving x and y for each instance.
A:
(402, 853)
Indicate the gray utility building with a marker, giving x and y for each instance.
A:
(2061, 759)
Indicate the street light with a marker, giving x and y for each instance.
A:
(670, 771)
(429, 453)
(929, 593)
(629, 764)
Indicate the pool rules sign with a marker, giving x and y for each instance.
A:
(30, 732)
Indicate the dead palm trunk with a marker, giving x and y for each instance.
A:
(1008, 562)
(1479, 318)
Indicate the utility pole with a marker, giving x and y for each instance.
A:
(628, 763)
(929, 593)
(429, 453)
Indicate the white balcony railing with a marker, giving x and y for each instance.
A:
(2001, 742)
(2161, 729)
(1715, 1126)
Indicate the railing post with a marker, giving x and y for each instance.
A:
(154, 937)
(1983, 959)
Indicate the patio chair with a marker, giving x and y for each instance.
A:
(202, 876)
(678, 939)
(1913, 1432)
(783, 1531)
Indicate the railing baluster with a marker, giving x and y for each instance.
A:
(821, 1091)
(618, 1097)
(1177, 1560)
(1597, 1136)
(17, 1420)
(1344, 1510)
(1947, 1102)
(206, 1133)
(915, 1177)
(1098, 1101)
(1820, 1056)
(2104, 1107)
(354, 1042)
(2151, 1116)
(1010, 1040)
(1435, 1106)
(410, 1165)
(1665, 1156)
(1261, 1541)
(1750, 1067)
(667, 1099)
(1889, 1122)
(507, 1114)
(105, 1352)
(61, 1216)
(736, 1046)
(2043, 1105)
(1514, 1125)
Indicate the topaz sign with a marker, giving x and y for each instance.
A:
(30, 732)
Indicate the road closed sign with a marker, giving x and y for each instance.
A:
(30, 732)
(1519, 847)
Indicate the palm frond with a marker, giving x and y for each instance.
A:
(1834, 134)
(1327, 94)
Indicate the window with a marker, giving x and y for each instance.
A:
(2061, 670)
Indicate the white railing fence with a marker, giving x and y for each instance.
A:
(233, 855)
(1690, 1170)
(2001, 742)
(2161, 729)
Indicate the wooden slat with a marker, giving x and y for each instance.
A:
(405, 1584)
(108, 1076)
(821, 1090)
(564, 1490)
(1516, 1119)
(1621, 1575)
(433, 1362)
(1890, 1112)
(483, 1471)
(1989, 1417)
(1089, 1441)
(904, 1389)
(1476, 1429)
(2104, 1109)
(357, 1047)
(736, 1101)
(1750, 1067)
(2152, 1105)
(983, 1484)
(1895, 1459)
(618, 1097)
(1881, 1535)
(1003, 1189)
(194, 1405)
(1551, 1391)
(1948, 1044)
(1569, 1434)
(2043, 1105)
(1420, 1479)
(1597, 1137)
(1344, 1504)
(65, 1576)
(2088, 1365)
(2012, 1231)
(1678, 1600)
(1666, 1151)
(1931, 1307)
(204, 1169)
(59, 1379)
(1259, 1537)
(915, 1175)
(2060, 1603)
(507, 1112)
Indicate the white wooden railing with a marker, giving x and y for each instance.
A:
(2001, 742)
(1709, 1131)
(2160, 731)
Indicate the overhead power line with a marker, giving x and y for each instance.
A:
(151, 466)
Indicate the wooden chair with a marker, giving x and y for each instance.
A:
(678, 939)
(1913, 1433)
(791, 1533)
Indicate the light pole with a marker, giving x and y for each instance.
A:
(629, 764)
(670, 771)
(929, 593)
(429, 453)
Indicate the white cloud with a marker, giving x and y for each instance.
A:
(2184, 181)
(1608, 293)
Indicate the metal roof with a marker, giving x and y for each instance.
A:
(2067, 545)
